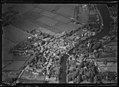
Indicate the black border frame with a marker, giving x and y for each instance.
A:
(57, 2)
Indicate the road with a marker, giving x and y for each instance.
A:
(106, 26)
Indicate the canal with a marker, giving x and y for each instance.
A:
(106, 28)
(62, 76)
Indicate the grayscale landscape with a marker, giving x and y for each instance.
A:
(59, 43)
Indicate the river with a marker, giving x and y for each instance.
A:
(106, 28)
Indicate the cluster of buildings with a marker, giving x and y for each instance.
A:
(46, 51)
